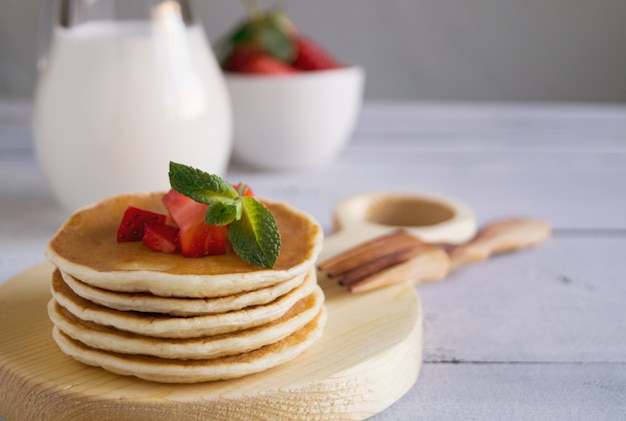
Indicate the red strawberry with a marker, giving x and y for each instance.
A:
(202, 240)
(182, 208)
(311, 56)
(247, 191)
(163, 238)
(133, 222)
(195, 237)
(248, 61)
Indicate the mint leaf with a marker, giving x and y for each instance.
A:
(266, 32)
(255, 237)
(244, 33)
(276, 43)
(253, 231)
(222, 211)
(199, 185)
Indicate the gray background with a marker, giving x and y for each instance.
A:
(464, 50)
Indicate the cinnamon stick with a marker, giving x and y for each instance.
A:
(377, 264)
(367, 251)
(432, 264)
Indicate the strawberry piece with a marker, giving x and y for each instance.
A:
(249, 61)
(134, 221)
(183, 209)
(163, 238)
(195, 237)
(247, 191)
(202, 240)
(311, 56)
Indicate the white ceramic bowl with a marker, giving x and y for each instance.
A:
(295, 121)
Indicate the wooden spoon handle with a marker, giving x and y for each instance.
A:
(501, 236)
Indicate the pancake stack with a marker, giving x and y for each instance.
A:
(166, 318)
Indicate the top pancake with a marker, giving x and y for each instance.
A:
(86, 247)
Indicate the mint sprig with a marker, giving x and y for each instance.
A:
(268, 31)
(255, 235)
(253, 231)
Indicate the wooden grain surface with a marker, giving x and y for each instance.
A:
(368, 357)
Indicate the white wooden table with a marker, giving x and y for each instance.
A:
(538, 335)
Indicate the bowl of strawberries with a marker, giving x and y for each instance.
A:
(294, 104)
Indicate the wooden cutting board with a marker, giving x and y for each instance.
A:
(368, 357)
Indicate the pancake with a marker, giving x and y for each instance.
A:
(175, 306)
(166, 326)
(110, 339)
(194, 371)
(167, 318)
(86, 247)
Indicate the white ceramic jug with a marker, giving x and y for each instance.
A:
(125, 87)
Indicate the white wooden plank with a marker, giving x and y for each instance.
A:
(569, 198)
(505, 139)
(29, 215)
(388, 156)
(480, 117)
(560, 302)
(28, 224)
(551, 392)
(15, 124)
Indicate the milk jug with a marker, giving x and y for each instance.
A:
(124, 88)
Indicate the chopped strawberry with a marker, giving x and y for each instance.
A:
(195, 237)
(202, 240)
(247, 191)
(249, 61)
(311, 56)
(134, 221)
(163, 238)
(182, 208)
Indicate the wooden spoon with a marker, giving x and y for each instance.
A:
(436, 260)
